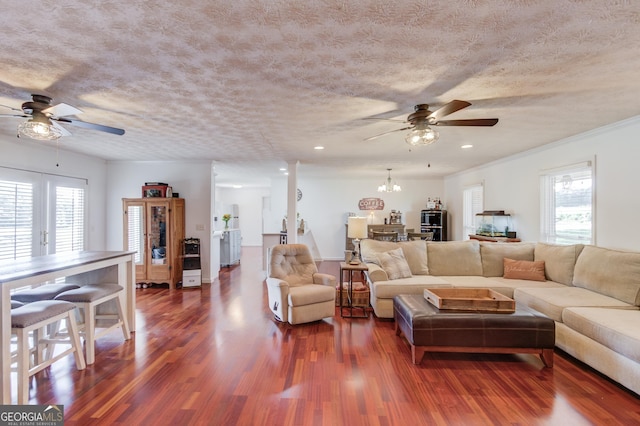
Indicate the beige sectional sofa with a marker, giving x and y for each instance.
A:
(592, 293)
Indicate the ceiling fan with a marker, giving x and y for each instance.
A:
(44, 118)
(422, 134)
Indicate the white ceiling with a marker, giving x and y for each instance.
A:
(257, 84)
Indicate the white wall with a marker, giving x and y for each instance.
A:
(326, 202)
(42, 157)
(512, 184)
(249, 201)
(191, 179)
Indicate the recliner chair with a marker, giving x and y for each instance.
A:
(298, 293)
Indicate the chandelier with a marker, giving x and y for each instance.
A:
(387, 186)
(421, 134)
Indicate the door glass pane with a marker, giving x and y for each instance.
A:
(69, 219)
(16, 219)
(158, 234)
(135, 232)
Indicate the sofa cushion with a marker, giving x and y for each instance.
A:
(394, 264)
(454, 258)
(552, 301)
(610, 272)
(616, 329)
(517, 283)
(310, 294)
(524, 269)
(416, 254)
(559, 260)
(413, 285)
(493, 254)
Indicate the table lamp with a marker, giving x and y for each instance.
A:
(357, 229)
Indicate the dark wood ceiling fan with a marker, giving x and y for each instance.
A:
(40, 111)
(422, 118)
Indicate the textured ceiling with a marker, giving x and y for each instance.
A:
(257, 84)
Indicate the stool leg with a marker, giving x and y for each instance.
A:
(23, 366)
(123, 319)
(75, 341)
(90, 332)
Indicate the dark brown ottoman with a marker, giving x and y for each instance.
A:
(429, 329)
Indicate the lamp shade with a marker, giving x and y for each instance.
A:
(357, 227)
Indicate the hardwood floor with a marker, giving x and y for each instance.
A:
(215, 356)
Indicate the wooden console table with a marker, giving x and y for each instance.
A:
(85, 267)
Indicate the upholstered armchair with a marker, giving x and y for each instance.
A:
(298, 293)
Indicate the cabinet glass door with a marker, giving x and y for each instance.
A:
(157, 241)
(135, 232)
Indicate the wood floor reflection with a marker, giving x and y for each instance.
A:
(215, 356)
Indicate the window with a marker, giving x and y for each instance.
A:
(567, 196)
(472, 203)
(40, 214)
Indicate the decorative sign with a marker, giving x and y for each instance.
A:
(371, 204)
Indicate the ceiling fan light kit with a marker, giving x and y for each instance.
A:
(389, 186)
(421, 135)
(39, 128)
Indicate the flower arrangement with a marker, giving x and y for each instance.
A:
(226, 217)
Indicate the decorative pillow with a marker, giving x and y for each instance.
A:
(415, 252)
(394, 264)
(369, 249)
(524, 269)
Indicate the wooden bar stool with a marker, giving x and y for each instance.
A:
(87, 298)
(33, 318)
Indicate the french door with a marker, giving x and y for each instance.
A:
(40, 214)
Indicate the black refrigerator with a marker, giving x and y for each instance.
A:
(434, 221)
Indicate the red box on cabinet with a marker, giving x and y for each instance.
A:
(155, 191)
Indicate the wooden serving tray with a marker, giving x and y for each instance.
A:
(470, 299)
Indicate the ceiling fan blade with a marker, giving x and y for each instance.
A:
(61, 129)
(91, 126)
(386, 133)
(449, 108)
(384, 119)
(472, 122)
(62, 110)
(15, 115)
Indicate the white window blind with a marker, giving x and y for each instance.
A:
(69, 219)
(472, 203)
(16, 220)
(567, 195)
(135, 232)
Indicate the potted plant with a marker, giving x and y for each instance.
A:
(226, 217)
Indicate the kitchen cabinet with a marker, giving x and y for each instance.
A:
(230, 247)
(154, 229)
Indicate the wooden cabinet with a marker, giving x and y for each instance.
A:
(230, 247)
(154, 228)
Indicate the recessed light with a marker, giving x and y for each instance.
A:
(286, 173)
(318, 148)
(237, 186)
(466, 146)
(283, 169)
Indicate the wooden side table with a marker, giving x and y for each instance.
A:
(350, 269)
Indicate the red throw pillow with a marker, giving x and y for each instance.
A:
(524, 269)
